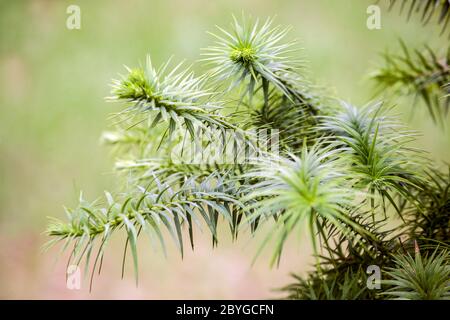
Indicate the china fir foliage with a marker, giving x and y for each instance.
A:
(419, 278)
(437, 11)
(345, 175)
(420, 72)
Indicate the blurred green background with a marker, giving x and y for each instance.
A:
(52, 111)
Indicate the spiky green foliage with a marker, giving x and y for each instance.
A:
(425, 9)
(256, 55)
(430, 222)
(311, 190)
(252, 53)
(176, 97)
(153, 208)
(374, 247)
(343, 263)
(336, 174)
(423, 74)
(419, 278)
(381, 160)
(293, 121)
(344, 286)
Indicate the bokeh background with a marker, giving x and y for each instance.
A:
(52, 111)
